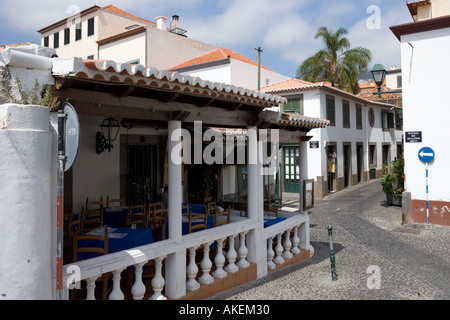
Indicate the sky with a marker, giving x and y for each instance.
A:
(284, 29)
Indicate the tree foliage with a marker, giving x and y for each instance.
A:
(336, 62)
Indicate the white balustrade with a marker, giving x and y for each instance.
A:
(219, 260)
(287, 244)
(191, 271)
(138, 289)
(206, 266)
(295, 241)
(158, 280)
(116, 293)
(231, 256)
(270, 254)
(278, 251)
(243, 251)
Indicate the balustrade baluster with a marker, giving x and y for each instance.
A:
(295, 241)
(158, 281)
(287, 254)
(206, 266)
(192, 271)
(243, 251)
(90, 288)
(138, 289)
(278, 250)
(270, 254)
(231, 256)
(116, 293)
(219, 260)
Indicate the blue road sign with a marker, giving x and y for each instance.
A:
(426, 154)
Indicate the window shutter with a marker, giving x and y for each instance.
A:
(390, 120)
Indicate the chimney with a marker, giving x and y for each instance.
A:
(175, 20)
(161, 23)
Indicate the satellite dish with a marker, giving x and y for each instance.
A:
(72, 134)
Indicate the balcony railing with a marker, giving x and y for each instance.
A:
(223, 251)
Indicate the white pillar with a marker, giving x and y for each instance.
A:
(303, 159)
(25, 203)
(175, 263)
(257, 250)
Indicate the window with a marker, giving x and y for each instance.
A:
(90, 57)
(294, 105)
(46, 43)
(66, 36)
(90, 26)
(387, 120)
(372, 155)
(78, 32)
(345, 114)
(399, 81)
(56, 40)
(331, 110)
(358, 116)
(133, 26)
(371, 117)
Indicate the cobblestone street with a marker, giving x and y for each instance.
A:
(413, 260)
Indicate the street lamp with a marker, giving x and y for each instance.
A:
(110, 129)
(379, 75)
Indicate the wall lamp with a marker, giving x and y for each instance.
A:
(104, 139)
(379, 74)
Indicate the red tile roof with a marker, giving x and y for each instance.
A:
(116, 10)
(215, 55)
(287, 84)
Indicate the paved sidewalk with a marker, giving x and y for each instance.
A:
(413, 261)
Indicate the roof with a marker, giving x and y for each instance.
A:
(216, 55)
(122, 35)
(109, 8)
(412, 6)
(421, 26)
(288, 83)
(121, 12)
(296, 85)
(390, 98)
(138, 75)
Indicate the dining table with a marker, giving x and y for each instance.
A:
(119, 239)
(115, 216)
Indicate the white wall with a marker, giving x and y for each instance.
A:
(125, 50)
(425, 101)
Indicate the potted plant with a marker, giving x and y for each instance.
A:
(206, 182)
(393, 183)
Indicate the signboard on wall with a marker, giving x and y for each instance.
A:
(413, 136)
(314, 144)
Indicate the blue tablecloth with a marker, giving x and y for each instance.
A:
(119, 239)
(115, 216)
(269, 221)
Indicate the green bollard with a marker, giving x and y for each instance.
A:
(333, 266)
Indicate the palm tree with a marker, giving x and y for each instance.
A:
(337, 63)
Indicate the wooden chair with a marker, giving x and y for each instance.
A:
(137, 215)
(90, 220)
(151, 210)
(114, 202)
(94, 205)
(100, 248)
(160, 217)
(218, 217)
(211, 207)
(197, 221)
(185, 209)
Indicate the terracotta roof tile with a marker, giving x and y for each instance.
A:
(287, 84)
(121, 12)
(218, 54)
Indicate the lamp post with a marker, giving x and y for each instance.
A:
(379, 75)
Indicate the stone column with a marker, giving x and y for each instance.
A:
(26, 265)
(175, 263)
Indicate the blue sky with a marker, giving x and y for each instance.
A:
(283, 28)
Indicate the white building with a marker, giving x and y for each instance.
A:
(425, 51)
(109, 33)
(360, 140)
(227, 66)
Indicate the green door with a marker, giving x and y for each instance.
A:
(291, 169)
